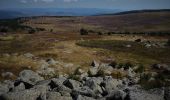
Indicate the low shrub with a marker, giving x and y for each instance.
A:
(83, 32)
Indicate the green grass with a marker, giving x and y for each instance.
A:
(161, 55)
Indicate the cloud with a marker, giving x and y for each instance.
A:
(23, 1)
(47, 0)
(70, 0)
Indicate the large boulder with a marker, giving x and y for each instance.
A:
(116, 95)
(94, 84)
(80, 97)
(140, 94)
(24, 95)
(29, 77)
(85, 91)
(110, 84)
(72, 84)
(53, 95)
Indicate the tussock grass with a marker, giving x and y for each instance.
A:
(140, 53)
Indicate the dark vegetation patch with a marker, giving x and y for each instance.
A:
(159, 54)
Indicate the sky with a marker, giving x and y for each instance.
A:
(106, 4)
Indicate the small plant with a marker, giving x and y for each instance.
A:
(128, 65)
(113, 64)
(32, 31)
(83, 32)
(140, 69)
(120, 65)
(101, 73)
(100, 33)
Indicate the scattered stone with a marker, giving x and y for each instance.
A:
(110, 84)
(29, 77)
(51, 61)
(29, 55)
(95, 64)
(93, 71)
(128, 46)
(116, 95)
(7, 75)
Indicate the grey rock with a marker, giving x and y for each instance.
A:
(167, 93)
(85, 91)
(7, 75)
(93, 71)
(111, 84)
(116, 95)
(29, 55)
(31, 94)
(59, 81)
(51, 61)
(81, 97)
(94, 84)
(20, 87)
(29, 77)
(95, 63)
(53, 95)
(72, 84)
(62, 88)
(140, 94)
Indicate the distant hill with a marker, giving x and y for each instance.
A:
(138, 11)
(14, 13)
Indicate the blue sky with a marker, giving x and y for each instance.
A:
(108, 4)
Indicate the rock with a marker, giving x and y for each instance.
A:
(140, 94)
(94, 84)
(93, 71)
(95, 64)
(160, 66)
(110, 84)
(128, 46)
(59, 81)
(62, 88)
(29, 55)
(7, 75)
(167, 93)
(116, 95)
(147, 45)
(3, 89)
(20, 87)
(31, 94)
(80, 97)
(43, 64)
(53, 95)
(29, 77)
(49, 72)
(85, 91)
(130, 73)
(80, 71)
(83, 75)
(51, 61)
(72, 84)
